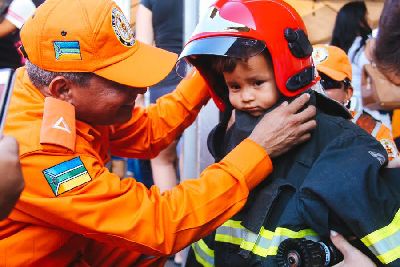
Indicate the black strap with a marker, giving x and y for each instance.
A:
(37, 3)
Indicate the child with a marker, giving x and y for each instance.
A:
(334, 67)
(255, 55)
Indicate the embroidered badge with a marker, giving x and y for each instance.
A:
(378, 156)
(66, 176)
(390, 148)
(121, 27)
(319, 55)
(67, 50)
(62, 125)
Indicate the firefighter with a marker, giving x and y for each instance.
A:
(334, 67)
(245, 50)
(73, 104)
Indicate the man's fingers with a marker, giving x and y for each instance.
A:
(306, 115)
(307, 127)
(341, 243)
(298, 103)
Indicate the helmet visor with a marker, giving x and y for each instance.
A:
(228, 46)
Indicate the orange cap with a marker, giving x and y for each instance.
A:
(332, 61)
(92, 36)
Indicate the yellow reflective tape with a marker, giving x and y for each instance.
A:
(389, 256)
(228, 239)
(271, 251)
(202, 261)
(205, 248)
(267, 234)
(233, 224)
(292, 234)
(384, 232)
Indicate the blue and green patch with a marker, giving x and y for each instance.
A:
(67, 50)
(66, 176)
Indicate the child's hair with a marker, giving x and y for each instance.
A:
(212, 68)
(222, 64)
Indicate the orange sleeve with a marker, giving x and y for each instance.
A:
(152, 129)
(396, 123)
(125, 213)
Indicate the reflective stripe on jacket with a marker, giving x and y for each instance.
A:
(335, 181)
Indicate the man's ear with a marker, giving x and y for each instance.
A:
(61, 88)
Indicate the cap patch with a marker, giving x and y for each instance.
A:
(67, 50)
(121, 27)
(66, 176)
(319, 55)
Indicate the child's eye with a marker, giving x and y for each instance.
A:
(234, 87)
(258, 83)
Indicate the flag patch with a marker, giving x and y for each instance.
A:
(66, 176)
(67, 50)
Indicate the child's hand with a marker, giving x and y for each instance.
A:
(285, 127)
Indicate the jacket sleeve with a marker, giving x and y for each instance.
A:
(152, 129)
(349, 186)
(124, 212)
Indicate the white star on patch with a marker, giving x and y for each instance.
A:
(62, 125)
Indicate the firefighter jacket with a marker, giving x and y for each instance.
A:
(74, 212)
(331, 182)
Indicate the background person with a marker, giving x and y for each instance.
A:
(73, 103)
(387, 54)
(352, 33)
(334, 67)
(160, 23)
(16, 12)
(11, 180)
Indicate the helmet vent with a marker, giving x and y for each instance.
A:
(299, 45)
(301, 79)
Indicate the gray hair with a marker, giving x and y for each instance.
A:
(42, 78)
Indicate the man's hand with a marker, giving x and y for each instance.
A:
(11, 180)
(352, 256)
(283, 128)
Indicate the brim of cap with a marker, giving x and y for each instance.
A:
(333, 74)
(147, 66)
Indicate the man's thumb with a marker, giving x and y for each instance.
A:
(340, 243)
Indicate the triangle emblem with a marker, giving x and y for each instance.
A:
(62, 125)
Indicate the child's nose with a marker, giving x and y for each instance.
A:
(247, 95)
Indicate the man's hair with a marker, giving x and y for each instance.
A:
(387, 52)
(42, 78)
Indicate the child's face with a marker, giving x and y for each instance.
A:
(251, 85)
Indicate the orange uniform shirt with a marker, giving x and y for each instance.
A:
(396, 123)
(377, 130)
(73, 211)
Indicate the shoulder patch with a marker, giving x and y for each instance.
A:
(66, 176)
(58, 126)
(390, 148)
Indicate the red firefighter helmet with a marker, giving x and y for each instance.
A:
(230, 25)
